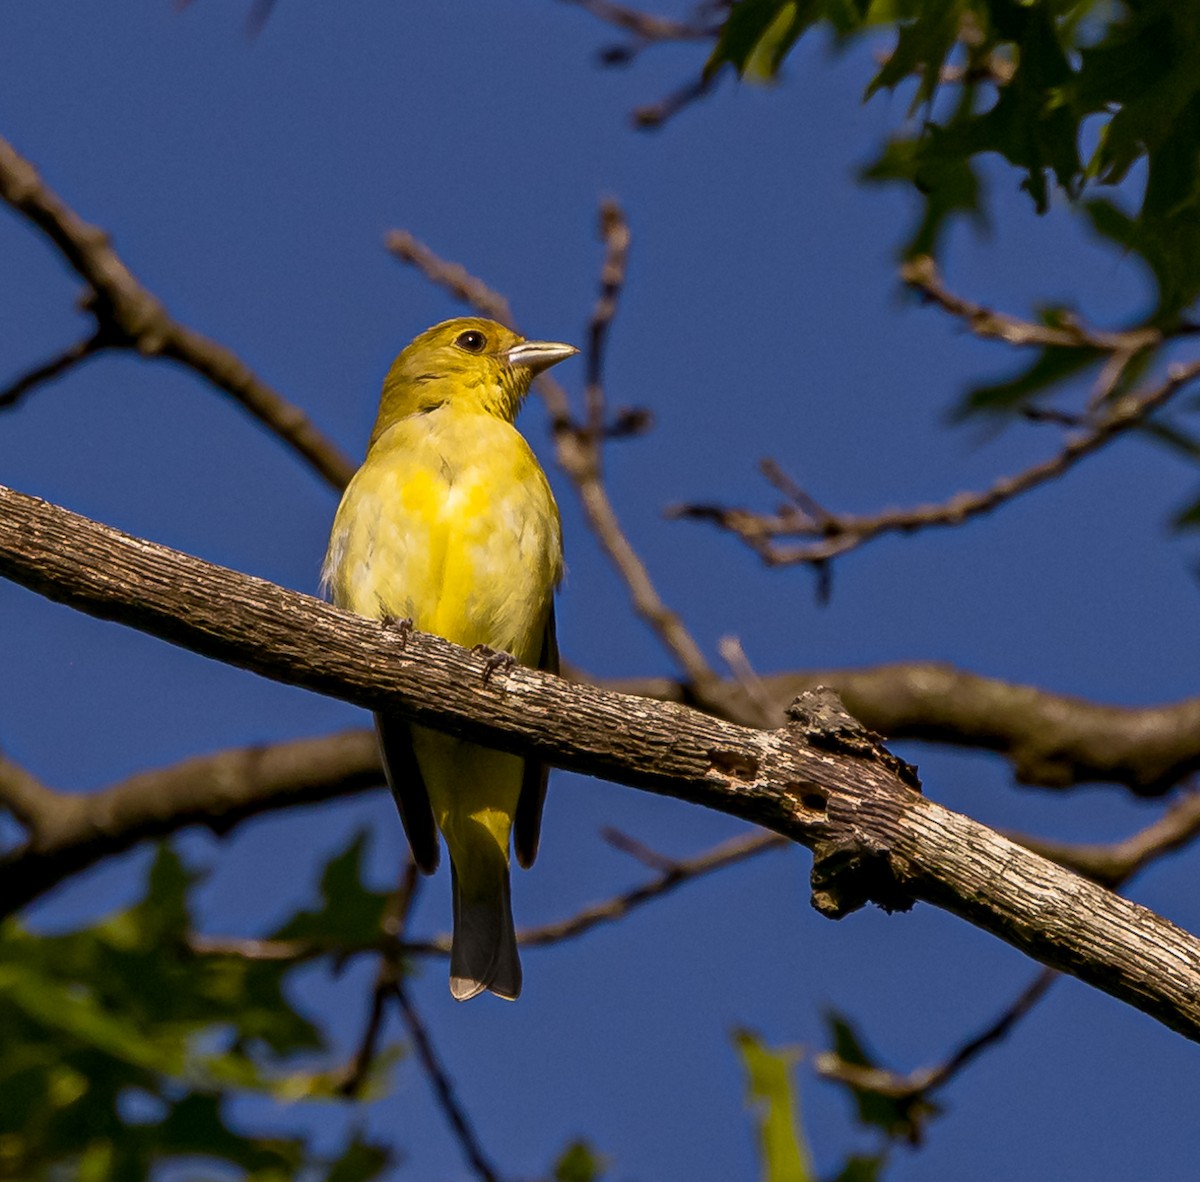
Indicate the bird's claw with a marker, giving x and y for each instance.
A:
(402, 628)
(493, 661)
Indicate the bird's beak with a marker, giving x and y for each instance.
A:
(539, 355)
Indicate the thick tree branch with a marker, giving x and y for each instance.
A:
(1053, 740)
(1114, 864)
(128, 316)
(69, 833)
(26, 797)
(820, 781)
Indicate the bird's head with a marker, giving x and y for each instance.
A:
(469, 362)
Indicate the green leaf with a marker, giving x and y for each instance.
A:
(898, 1117)
(579, 1162)
(947, 183)
(1049, 368)
(351, 913)
(769, 1092)
(1172, 437)
(861, 1168)
(121, 1048)
(922, 47)
(360, 1161)
(758, 34)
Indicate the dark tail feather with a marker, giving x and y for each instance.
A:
(484, 952)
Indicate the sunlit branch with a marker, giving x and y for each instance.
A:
(1111, 864)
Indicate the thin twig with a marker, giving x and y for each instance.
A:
(576, 454)
(915, 1088)
(1108, 415)
(55, 367)
(732, 653)
(443, 1088)
(453, 277)
(671, 874)
(845, 532)
(638, 850)
(645, 26)
(614, 232)
(652, 116)
(999, 1029)
(128, 316)
(921, 274)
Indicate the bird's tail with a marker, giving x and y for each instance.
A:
(484, 952)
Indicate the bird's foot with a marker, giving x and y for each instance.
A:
(494, 661)
(401, 628)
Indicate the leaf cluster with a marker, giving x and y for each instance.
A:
(1093, 100)
(123, 1050)
(1032, 83)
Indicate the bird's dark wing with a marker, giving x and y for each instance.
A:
(527, 826)
(408, 789)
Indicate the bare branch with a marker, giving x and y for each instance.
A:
(738, 849)
(576, 450)
(921, 274)
(914, 1089)
(453, 277)
(639, 851)
(614, 231)
(671, 875)
(652, 116)
(843, 532)
(645, 26)
(69, 833)
(128, 316)
(26, 797)
(821, 780)
(1052, 740)
(1114, 864)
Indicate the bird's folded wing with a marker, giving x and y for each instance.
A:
(408, 788)
(527, 825)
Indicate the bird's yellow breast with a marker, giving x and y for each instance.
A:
(450, 522)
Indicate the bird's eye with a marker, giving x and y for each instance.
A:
(472, 341)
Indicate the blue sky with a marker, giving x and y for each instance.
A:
(249, 184)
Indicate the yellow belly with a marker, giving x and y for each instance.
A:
(450, 523)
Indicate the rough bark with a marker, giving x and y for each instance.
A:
(820, 780)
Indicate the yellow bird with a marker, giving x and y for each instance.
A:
(450, 523)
